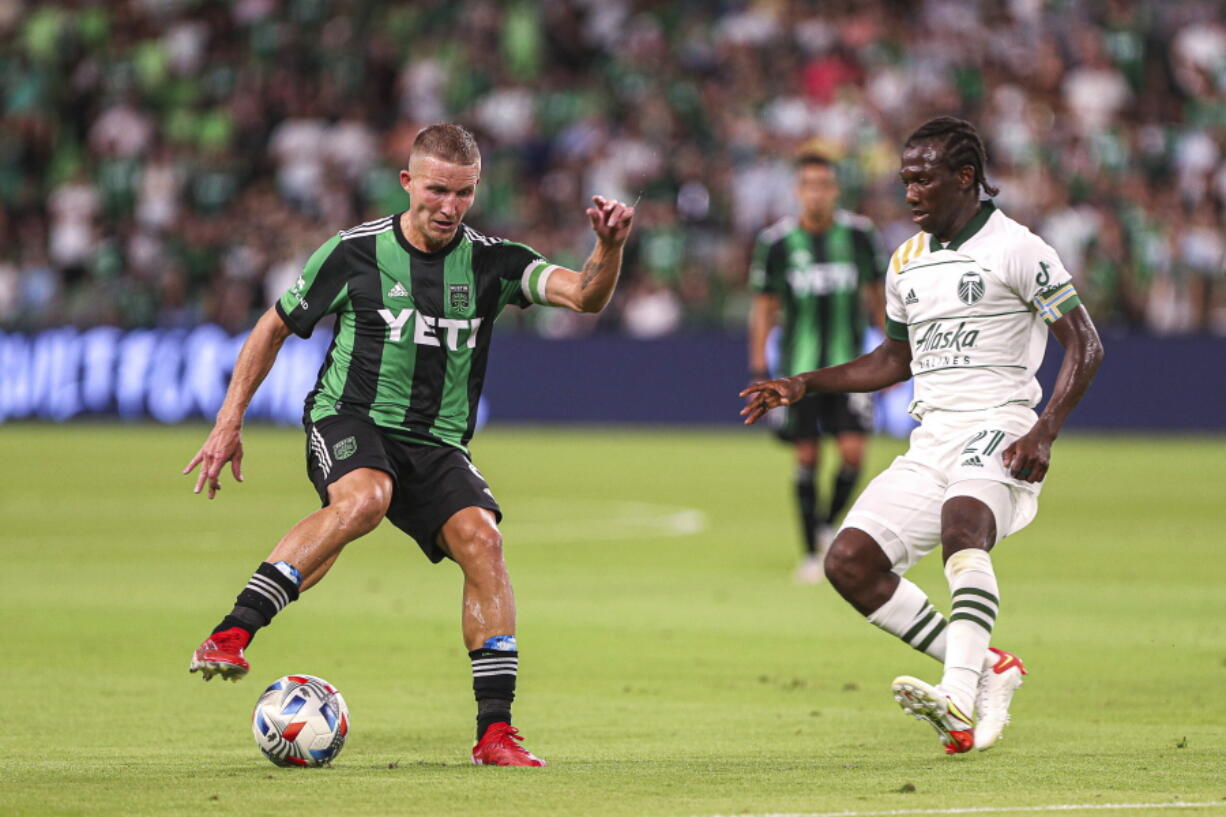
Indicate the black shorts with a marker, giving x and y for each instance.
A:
(821, 414)
(429, 483)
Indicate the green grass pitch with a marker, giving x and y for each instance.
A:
(670, 667)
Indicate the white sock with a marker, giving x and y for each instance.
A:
(976, 602)
(910, 616)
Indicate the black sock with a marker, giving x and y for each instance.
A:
(244, 618)
(806, 499)
(494, 673)
(266, 594)
(844, 483)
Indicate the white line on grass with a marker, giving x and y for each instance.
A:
(988, 810)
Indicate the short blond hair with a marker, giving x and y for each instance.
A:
(447, 141)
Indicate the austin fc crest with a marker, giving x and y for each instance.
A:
(345, 448)
(970, 288)
(459, 296)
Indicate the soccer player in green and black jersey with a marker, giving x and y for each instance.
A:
(823, 271)
(415, 297)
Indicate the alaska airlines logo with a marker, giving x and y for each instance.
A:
(937, 338)
(970, 288)
(822, 279)
(427, 329)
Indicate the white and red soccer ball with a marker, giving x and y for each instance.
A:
(300, 720)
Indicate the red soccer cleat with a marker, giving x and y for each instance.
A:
(960, 740)
(222, 654)
(500, 746)
(931, 705)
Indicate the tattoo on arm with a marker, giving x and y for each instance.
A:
(592, 270)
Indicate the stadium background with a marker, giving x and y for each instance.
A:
(165, 167)
(167, 164)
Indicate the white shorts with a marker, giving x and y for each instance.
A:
(951, 454)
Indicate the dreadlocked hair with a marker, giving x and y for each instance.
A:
(960, 144)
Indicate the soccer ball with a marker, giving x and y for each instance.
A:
(300, 720)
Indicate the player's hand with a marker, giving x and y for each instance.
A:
(611, 220)
(1028, 457)
(225, 444)
(756, 377)
(770, 394)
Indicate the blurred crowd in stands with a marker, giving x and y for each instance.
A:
(168, 162)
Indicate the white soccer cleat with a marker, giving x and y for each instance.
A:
(811, 571)
(997, 684)
(930, 704)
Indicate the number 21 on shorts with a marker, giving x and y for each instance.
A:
(990, 439)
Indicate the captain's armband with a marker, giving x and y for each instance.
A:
(535, 281)
(1055, 302)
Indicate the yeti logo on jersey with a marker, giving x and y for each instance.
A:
(970, 288)
(937, 338)
(345, 448)
(459, 296)
(426, 328)
(822, 279)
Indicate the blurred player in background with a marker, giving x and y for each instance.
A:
(823, 271)
(415, 297)
(969, 301)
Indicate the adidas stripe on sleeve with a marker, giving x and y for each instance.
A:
(895, 314)
(322, 288)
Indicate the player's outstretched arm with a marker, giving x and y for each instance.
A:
(590, 289)
(886, 365)
(1029, 456)
(225, 441)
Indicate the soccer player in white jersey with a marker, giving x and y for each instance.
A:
(969, 302)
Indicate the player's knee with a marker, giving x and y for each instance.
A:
(844, 568)
(488, 542)
(855, 561)
(361, 512)
(963, 538)
(478, 546)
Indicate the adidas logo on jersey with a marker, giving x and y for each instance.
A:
(910, 299)
(398, 291)
(973, 461)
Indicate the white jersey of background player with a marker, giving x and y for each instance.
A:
(968, 304)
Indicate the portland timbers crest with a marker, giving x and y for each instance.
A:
(459, 296)
(970, 288)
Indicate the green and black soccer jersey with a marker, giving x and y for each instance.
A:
(817, 279)
(413, 328)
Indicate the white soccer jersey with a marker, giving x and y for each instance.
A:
(975, 312)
